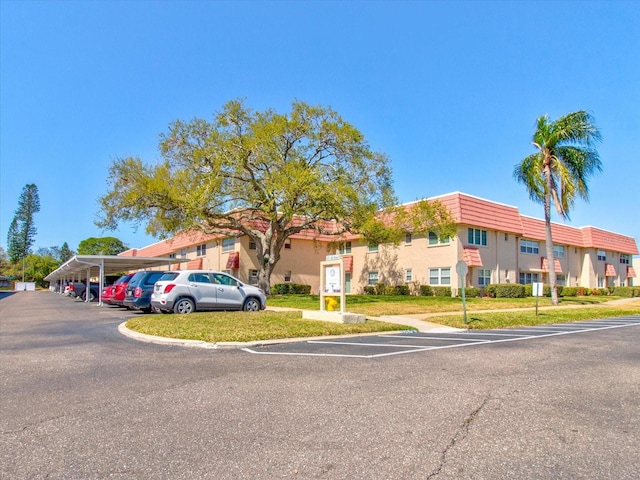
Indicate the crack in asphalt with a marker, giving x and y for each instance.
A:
(460, 435)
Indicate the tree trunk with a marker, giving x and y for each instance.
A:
(549, 245)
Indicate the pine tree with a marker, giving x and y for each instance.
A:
(22, 231)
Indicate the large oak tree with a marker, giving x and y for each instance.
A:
(266, 175)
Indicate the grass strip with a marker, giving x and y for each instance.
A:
(491, 320)
(216, 327)
(379, 305)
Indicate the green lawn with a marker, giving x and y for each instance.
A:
(378, 305)
(479, 320)
(247, 326)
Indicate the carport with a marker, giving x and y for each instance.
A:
(101, 265)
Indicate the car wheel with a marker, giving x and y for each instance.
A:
(92, 296)
(184, 306)
(251, 305)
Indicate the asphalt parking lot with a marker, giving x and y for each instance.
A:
(79, 400)
(382, 345)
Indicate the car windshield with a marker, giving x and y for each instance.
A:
(169, 276)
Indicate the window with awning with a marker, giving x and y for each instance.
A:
(471, 256)
(233, 261)
(545, 265)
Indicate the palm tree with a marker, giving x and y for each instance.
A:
(560, 169)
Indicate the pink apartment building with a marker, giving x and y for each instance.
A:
(498, 244)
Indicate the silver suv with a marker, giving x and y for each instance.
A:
(186, 291)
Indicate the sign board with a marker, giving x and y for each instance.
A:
(331, 258)
(537, 289)
(462, 268)
(332, 279)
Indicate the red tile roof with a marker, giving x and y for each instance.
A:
(598, 238)
(471, 256)
(609, 270)
(348, 263)
(233, 261)
(465, 209)
(631, 272)
(544, 264)
(195, 264)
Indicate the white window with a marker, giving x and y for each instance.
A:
(529, 246)
(287, 244)
(253, 277)
(373, 247)
(344, 247)
(477, 237)
(287, 276)
(600, 282)
(228, 244)
(558, 251)
(183, 253)
(201, 250)
(252, 245)
(172, 255)
(602, 257)
(373, 279)
(624, 258)
(561, 280)
(527, 278)
(407, 238)
(439, 276)
(434, 240)
(408, 275)
(484, 277)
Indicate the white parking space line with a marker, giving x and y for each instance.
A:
(432, 338)
(506, 335)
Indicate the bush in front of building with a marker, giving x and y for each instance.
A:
(291, 288)
(570, 292)
(431, 291)
(401, 290)
(382, 289)
(505, 290)
(470, 292)
(624, 291)
(441, 291)
(426, 291)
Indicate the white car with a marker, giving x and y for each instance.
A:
(187, 291)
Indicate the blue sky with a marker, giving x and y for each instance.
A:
(448, 90)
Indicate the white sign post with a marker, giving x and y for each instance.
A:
(332, 282)
(462, 269)
(537, 290)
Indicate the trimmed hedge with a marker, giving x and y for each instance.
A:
(441, 291)
(431, 291)
(624, 291)
(291, 288)
(505, 290)
(382, 289)
(470, 292)
(426, 291)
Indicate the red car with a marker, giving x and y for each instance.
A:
(114, 294)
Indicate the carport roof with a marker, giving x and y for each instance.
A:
(79, 264)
